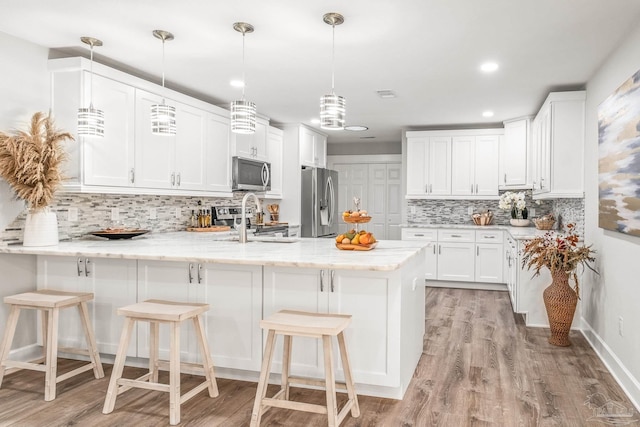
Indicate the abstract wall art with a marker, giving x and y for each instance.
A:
(619, 159)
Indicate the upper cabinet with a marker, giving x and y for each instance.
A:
(275, 152)
(251, 146)
(313, 148)
(515, 157)
(129, 159)
(456, 164)
(558, 146)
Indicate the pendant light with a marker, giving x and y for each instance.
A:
(90, 120)
(163, 116)
(332, 106)
(243, 112)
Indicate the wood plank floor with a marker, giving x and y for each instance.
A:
(480, 367)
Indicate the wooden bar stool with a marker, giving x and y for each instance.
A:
(316, 325)
(49, 302)
(155, 312)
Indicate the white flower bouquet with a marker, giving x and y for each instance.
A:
(514, 202)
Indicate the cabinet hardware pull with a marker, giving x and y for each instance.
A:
(430, 188)
(190, 273)
(199, 273)
(178, 181)
(78, 266)
(333, 273)
(132, 174)
(439, 249)
(87, 261)
(434, 249)
(471, 188)
(476, 188)
(321, 280)
(489, 237)
(505, 178)
(173, 179)
(419, 235)
(456, 235)
(426, 188)
(477, 250)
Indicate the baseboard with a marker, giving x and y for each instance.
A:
(26, 353)
(629, 384)
(466, 285)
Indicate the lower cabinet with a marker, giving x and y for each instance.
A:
(431, 255)
(113, 283)
(456, 262)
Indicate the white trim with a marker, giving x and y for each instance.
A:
(466, 285)
(457, 132)
(625, 379)
(366, 158)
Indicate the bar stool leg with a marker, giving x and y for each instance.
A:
(286, 365)
(154, 345)
(261, 391)
(330, 382)
(9, 332)
(348, 377)
(118, 366)
(51, 362)
(92, 346)
(174, 374)
(207, 363)
(44, 321)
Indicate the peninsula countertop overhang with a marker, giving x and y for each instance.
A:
(389, 255)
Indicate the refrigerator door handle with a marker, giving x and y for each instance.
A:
(331, 199)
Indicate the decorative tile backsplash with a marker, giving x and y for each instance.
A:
(94, 212)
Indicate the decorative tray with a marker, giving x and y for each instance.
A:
(213, 228)
(119, 234)
(350, 247)
(356, 219)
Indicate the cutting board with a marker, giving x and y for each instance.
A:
(213, 228)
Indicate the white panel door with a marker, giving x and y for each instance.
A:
(377, 201)
(307, 148)
(417, 162)
(190, 151)
(513, 154)
(456, 261)
(486, 165)
(439, 166)
(274, 156)
(217, 149)
(109, 160)
(463, 165)
(155, 154)
(394, 201)
(489, 258)
(352, 182)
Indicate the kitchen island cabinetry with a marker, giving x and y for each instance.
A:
(113, 283)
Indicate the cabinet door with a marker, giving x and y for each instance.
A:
(232, 324)
(167, 281)
(514, 154)
(274, 156)
(486, 165)
(374, 306)
(297, 289)
(545, 153)
(431, 262)
(253, 146)
(154, 153)
(189, 169)
(320, 151)
(218, 159)
(463, 165)
(307, 150)
(439, 166)
(109, 160)
(431, 254)
(456, 261)
(417, 157)
(488, 263)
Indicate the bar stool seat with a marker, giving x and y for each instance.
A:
(49, 302)
(155, 312)
(306, 324)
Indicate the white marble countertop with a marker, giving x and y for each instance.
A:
(203, 247)
(518, 233)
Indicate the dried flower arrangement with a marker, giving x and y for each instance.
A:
(559, 253)
(30, 161)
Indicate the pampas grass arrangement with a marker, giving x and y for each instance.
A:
(30, 161)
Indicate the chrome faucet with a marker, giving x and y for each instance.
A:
(242, 233)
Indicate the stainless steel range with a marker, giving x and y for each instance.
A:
(231, 215)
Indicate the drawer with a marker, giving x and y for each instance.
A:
(489, 236)
(420, 234)
(456, 235)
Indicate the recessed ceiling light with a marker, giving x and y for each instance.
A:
(356, 128)
(489, 67)
(237, 83)
(487, 114)
(315, 121)
(386, 93)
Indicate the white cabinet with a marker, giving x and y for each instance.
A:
(489, 255)
(474, 167)
(428, 166)
(313, 148)
(113, 283)
(515, 155)
(511, 267)
(431, 255)
(191, 142)
(218, 154)
(254, 145)
(558, 141)
(275, 152)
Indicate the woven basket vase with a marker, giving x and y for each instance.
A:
(560, 300)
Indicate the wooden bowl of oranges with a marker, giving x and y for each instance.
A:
(356, 241)
(356, 217)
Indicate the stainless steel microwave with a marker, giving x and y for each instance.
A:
(250, 175)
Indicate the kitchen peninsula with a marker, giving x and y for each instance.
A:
(383, 290)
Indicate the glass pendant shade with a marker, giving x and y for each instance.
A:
(90, 122)
(163, 119)
(332, 112)
(243, 117)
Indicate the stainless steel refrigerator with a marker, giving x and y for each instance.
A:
(319, 214)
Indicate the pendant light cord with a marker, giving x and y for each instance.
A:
(244, 81)
(91, 81)
(333, 57)
(163, 100)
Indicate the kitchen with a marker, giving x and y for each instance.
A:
(607, 298)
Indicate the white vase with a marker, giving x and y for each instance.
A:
(519, 222)
(41, 228)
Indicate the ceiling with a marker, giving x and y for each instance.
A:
(427, 51)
